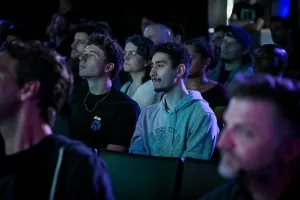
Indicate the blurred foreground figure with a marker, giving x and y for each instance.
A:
(34, 84)
(260, 145)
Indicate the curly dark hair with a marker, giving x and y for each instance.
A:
(112, 50)
(145, 47)
(178, 54)
(36, 62)
(203, 48)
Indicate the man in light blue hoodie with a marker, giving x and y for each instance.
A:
(182, 124)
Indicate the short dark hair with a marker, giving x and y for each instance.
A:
(280, 54)
(284, 21)
(202, 47)
(177, 29)
(36, 62)
(85, 28)
(145, 47)
(283, 92)
(178, 54)
(112, 50)
(103, 28)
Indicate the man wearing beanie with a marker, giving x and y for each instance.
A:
(235, 55)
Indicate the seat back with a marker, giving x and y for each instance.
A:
(143, 177)
(198, 178)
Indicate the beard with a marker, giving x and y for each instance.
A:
(163, 89)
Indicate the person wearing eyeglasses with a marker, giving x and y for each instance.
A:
(137, 62)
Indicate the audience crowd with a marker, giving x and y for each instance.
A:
(66, 99)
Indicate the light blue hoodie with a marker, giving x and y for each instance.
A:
(188, 130)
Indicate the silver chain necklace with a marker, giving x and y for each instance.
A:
(96, 103)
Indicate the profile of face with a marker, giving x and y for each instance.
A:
(216, 42)
(158, 33)
(79, 44)
(278, 33)
(250, 140)
(92, 62)
(198, 63)
(231, 49)
(133, 62)
(9, 89)
(264, 60)
(163, 75)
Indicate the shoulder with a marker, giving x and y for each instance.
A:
(125, 86)
(201, 108)
(77, 156)
(152, 108)
(226, 191)
(73, 147)
(79, 91)
(220, 88)
(124, 104)
(123, 99)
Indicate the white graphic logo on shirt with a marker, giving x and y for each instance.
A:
(96, 124)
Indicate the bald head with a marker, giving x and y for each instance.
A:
(270, 58)
(158, 33)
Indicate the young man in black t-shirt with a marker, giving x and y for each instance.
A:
(101, 116)
(34, 84)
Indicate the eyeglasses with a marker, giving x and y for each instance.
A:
(130, 54)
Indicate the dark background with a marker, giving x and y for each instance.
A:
(123, 16)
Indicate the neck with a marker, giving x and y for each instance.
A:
(99, 86)
(271, 188)
(175, 94)
(137, 77)
(23, 129)
(229, 66)
(195, 82)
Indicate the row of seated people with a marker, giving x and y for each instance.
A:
(259, 145)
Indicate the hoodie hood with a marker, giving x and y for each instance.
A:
(183, 102)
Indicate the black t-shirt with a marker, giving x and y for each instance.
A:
(224, 76)
(112, 122)
(216, 96)
(245, 11)
(29, 174)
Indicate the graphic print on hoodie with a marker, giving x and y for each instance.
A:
(188, 130)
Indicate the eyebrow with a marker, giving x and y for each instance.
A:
(91, 51)
(160, 62)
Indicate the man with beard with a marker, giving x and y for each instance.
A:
(182, 124)
(235, 56)
(260, 145)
